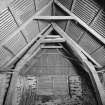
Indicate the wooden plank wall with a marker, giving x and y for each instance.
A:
(51, 74)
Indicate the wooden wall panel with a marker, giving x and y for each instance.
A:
(60, 85)
(45, 85)
(51, 63)
(45, 79)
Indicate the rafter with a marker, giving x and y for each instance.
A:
(86, 64)
(99, 90)
(20, 65)
(28, 46)
(88, 28)
(58, 29)
(32, 48)
(24, 24)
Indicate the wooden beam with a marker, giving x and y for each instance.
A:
(88, 67)
(88, 28)
(51, 47)
(32, 51)
(99, 90)
(53, 18)
(26, 59)
(44, 8)
(24, 25)
(57, 40)
(19, 30)
(101, 71)
(61, 32)
(6, 71)
(21, 53)
(34, 46)
(19, 66)
(97, 16)
(73, 5)
(53, 36)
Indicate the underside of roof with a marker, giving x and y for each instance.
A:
(27, 26)
(21, 22)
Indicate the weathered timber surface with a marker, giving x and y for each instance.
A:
(4, 83)
(53, 90)
(46, 83)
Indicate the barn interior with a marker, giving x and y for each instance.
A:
(52, 52)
